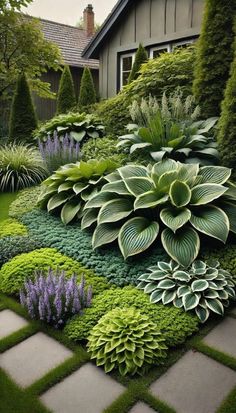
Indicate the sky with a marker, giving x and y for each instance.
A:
(68, 11)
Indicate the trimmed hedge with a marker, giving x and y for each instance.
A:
(10, 227)
(174, 323)
(77, 244)
(25, 202)
(15, 272)
(12, 246)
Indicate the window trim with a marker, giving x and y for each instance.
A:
(122, 56)
(153, 49)
(181, 43)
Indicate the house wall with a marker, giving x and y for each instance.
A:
(46, 108)
(152, 22)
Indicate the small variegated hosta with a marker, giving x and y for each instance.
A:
(177, 201)
(202, 287)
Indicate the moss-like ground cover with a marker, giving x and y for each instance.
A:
(5, 201)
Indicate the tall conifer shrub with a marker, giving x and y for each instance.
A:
(87, 95)
(141, 57)
(66, 94)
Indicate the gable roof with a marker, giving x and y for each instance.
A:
(92, 48)
(71, 41)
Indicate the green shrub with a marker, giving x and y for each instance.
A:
(70, 186)
(114, 113)
(75, 243)
(125, 339)
(22, 118)
(141, 57)
(10, 227)
(226, 256)
(103, 148)
(187, 199)
(87, 94)
(14, 273)
(20, 167)
(26, 201)
(11, 246)
(79, 126)
(174, 323)
(66, 94)
(227, 123)
(203, 287)
(214, 55)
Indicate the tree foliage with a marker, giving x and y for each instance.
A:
(214, 55)
(13, 4)
(141, 57)
(87, 95)
(66, 94)
(23, 118)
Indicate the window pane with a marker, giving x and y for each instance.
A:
(127, 63)
(125, 77)
(157, 52)
(181, 46)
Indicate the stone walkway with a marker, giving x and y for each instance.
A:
(195, 384)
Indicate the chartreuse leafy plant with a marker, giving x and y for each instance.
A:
(177, 201)
(70, 187)
(125, 339)
(203, 287)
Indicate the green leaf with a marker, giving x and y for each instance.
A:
(206, 193)
(150, 287)
(230, 210)
(149, 200)
(157, 275)
(181, 276)
(65, 187)
(156, 296)
(202, 313)
(162, 167)
(99, 200)
(137, 235)
(115, 210)
(104, 234)
(138, 186)
(212, 221)
(180, 194)
(215, 305)
(199, 285)
(166, 180)
(69, 211)
(215, 174)
(89, 217)
(56, 200)
(78, 136)
(190, 301)
(133, 171)
(175, 218)
(117, 187)
(168, 297)
(184, 289)
(79, 187)
(166, 284)
(182, 246)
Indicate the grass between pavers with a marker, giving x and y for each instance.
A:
(229, 404)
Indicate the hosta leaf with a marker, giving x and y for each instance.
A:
(168, 297)
(215, 305)
(161, 167)
(178, 302)
(183, 290)
(156, 296)
(190, 301)
(138, 186)
(175, 218)
(117, 187)
(215, 174)
(212, 294)
(202, 313)
(104, 234)
(205, 193)
(130, 171)
(69, 211)
(181, 276)
(149, 200)
(164, 266)
(66, 186)
(182, 246)
(166, 284)
(212, 221)
(157, 275)
(199, 285)
(141, 145)
(79, 187)
(230, 210)
(165, 181)
(150, 287)
(57, 200)
(180, 194)
(89, 217)
(187, 173)
(100, 199)
(137, 235)
(115, 210)
(199, 267)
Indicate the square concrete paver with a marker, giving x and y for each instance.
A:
(33, 358)
(141, 407)
(10, 323)
(195, 384)
(88, 390)
(223, 337)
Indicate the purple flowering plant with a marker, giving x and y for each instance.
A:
(54, 298)
(59, 151)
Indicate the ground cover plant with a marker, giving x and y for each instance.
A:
(26, 201)
(12, 245)
(11, 227)
(203, 287)
(127, 340)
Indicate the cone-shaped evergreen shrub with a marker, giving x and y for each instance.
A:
(66, 94)
(87, 95)
(141, 57)
(227, 124)
(214, 55)
(23, 118)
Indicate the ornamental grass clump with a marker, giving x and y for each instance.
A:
(204, 287)
(56, 152)
(126, 340)
(53, 298)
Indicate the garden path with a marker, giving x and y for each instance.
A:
(196, 383)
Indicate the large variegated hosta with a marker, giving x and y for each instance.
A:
(176, 201)
(203, 287)
(70, 187)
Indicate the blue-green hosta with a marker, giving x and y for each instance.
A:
(203, 287)
(176, 201)
(70, 187)
(127, 340)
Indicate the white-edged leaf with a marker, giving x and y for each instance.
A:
(150, 199)
(115, 210)
(66, 186)
(138, 186)
(212, 221)
(205, 193)
(215, 174)
(117, 187)
(199, 285)
(168, 297)
(69, 211)
(166, 284)
(175, 218)
(202, 313)
(56, 200)
(156, 296)
(215, 305)
(130, 171)
(180, 194)
(190, 301)
(157, 275)
(105, 234)
(181, 276)
(100, 199)
(230, 210)
(89, 217)
(79, 187)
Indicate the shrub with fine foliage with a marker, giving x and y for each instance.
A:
(87, 94)
(126, 340)
(11, 227)
(26, 201)
(66, 94)
(11, 246)
(141, 57)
